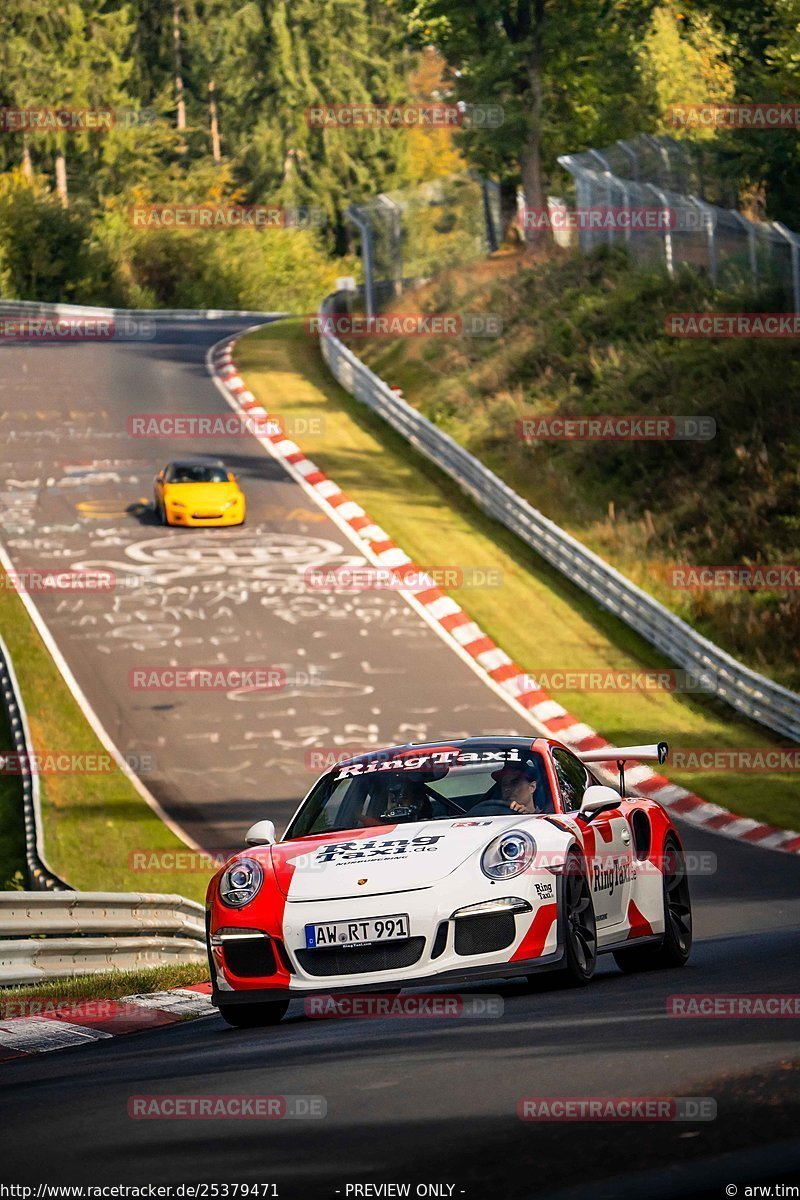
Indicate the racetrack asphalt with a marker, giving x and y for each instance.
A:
(76, 486)
(428, 1101)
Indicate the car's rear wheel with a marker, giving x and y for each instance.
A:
(251, 1016)
(676, 945)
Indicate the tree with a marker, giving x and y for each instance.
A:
(566, 74)
(68, 57)
(762, 46)
(686, 62)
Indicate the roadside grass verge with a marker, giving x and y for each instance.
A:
(586, 336)
(105, 985)
(542, 620)
(12, 828)
(93, 823)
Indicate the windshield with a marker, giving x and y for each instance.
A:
(196, 474)
(426, 785)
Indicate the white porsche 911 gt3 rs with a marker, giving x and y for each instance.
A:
(482, 858)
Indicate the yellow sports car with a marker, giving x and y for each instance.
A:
(198, 491)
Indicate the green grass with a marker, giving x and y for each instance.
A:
(585, 336)
(537, 616)
(12, 828)
(92, 823)
(106, 985)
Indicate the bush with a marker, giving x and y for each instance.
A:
(50, 253)
(45, 250)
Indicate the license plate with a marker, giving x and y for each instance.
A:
(356, 933)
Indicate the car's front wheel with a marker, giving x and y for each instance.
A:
(251, 1016)
(676, 946)
(580, 930)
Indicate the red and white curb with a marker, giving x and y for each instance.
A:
(465, 636)
(58, 1025)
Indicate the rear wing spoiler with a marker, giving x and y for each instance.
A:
(622, 754)
(657, 752)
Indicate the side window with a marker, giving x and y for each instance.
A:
(573, 779)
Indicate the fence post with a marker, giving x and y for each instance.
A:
(668, 255)
(632, 155)
(662, 154)
(609, 174)
(711, 235)
(365, 229)
(626, 204)
(792, 239)
(396, 250)
(580, 176)
(750, 230)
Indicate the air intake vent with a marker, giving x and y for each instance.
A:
(440, 942)
(249, 957)
(335, 960)
(485, 935)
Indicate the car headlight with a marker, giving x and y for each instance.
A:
(508, 855)
(176, 504)
(230, 503)
(240, 882)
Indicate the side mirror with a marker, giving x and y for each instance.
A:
(597, 798)
(261, 834)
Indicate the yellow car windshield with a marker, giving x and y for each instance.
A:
(196, 474)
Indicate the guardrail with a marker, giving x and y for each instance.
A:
(718, 673)
(55, 935)
(39, 873)
(41, 308)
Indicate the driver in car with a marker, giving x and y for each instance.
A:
(514, 791)
(405, 800)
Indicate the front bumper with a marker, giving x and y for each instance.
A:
(233, 516)
(441, 949)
